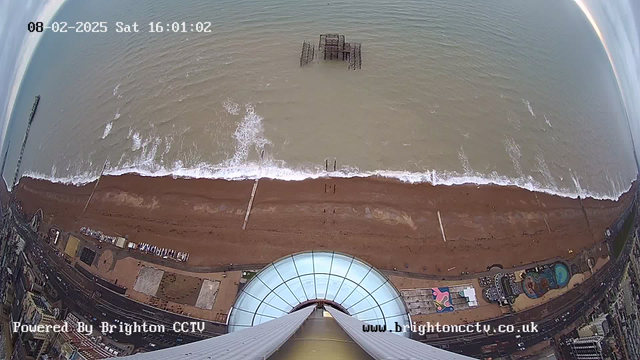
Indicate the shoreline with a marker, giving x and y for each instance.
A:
(257, 172)
(386, 222)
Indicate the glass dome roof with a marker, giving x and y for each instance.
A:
(361, 290)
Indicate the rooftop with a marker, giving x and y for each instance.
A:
(345, 282)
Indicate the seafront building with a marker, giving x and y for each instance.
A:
(73, 345)
(589, 348)
(26, 301)
(598, 326)
(314, 305)
(37, 311)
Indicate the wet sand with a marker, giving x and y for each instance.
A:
(385, 222)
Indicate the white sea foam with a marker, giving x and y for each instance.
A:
(526, 102)
(271, 170)
(231, 107)
(576, 183)
(547, 121)
(115, 89)
(249, 134)
(544, 170)
(168, 140)
(616, 186)
(137, 142)
(514, 153)
(465, 161)
(120, 160)
(107, 130)
(117, 115)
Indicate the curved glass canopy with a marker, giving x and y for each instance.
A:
(361, 290)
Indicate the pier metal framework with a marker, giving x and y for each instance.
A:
(308, 53)
(333, 47)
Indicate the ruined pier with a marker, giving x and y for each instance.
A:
(333, 47)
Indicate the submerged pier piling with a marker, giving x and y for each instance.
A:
(308, 53)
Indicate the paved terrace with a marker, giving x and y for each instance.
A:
(119, 266)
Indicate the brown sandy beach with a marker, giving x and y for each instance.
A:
(385, 222)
